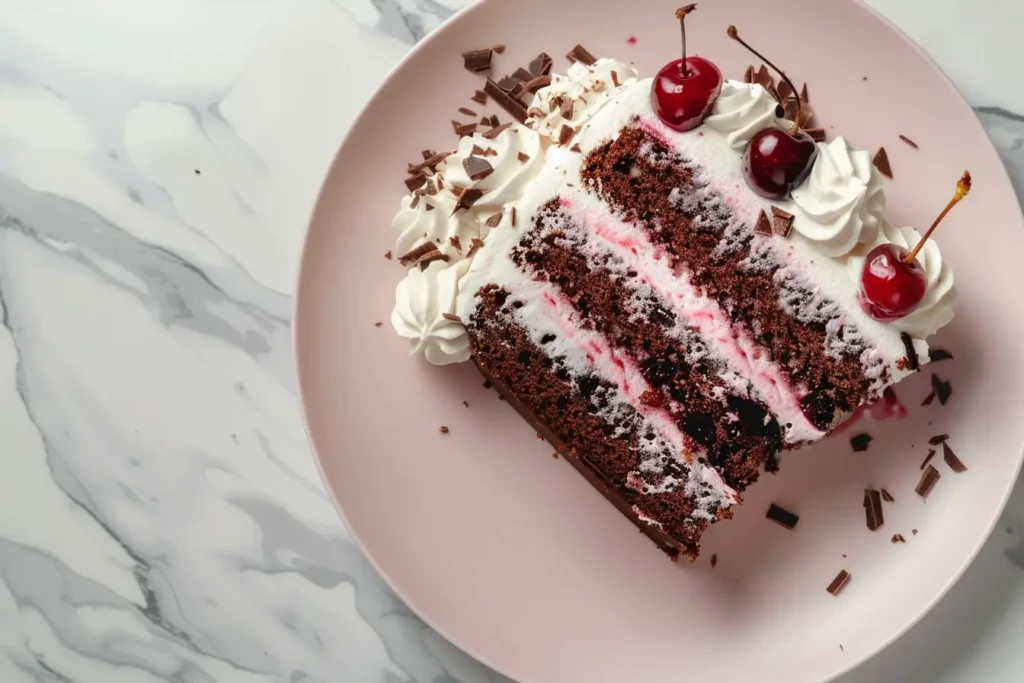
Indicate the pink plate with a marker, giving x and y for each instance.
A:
(510, 553)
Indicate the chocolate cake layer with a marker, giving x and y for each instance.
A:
(650, 185)
(737, 433)
(573, 412)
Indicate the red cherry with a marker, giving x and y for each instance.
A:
(776, 161)
(684, 91)
(683, 100)
(890, 286)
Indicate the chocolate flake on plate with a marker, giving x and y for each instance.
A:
(928, 481)
(937, 439)
(860, 442)
(443, 429)
(928, 458)
(477, 60)
(913, 362)
(782, 517)
(467, 111)
(949, 457)
(414, 182)
(477, 168)
(451, 316)
(497, 130)
(898, 538)
(782, 222)
(523, 157)
(456, 242)
(499, 49)
(873, 509)
(506, 101)
(839, 583)
(909, 141)
(914, 531)
(714, 560)
(465, 403)
(378, 324)
(541, 64)
(480, 97)
(493, 121)
(881, 162)
(943, 390)
(928, 399)
(387, 255)
(763, 226)
(887, 497)
(936, 355)
(474, 246)
(494, 221)
(582, 55)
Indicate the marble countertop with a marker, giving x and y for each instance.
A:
(161, 518)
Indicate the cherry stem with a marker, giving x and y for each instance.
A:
(681, 16)
(963, 187)
(734, 34)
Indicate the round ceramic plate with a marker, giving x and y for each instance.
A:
(510, 553)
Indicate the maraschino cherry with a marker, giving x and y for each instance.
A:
(893, 282)
(685, 90)
(776, 161)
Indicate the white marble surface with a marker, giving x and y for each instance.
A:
(161, 518)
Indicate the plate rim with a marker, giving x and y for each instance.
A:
(301, 284)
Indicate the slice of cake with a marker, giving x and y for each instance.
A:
(664, 325)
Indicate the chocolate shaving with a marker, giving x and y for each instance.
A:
(887, 497)
(615, 78)
(456, 242)
(774, 92)
(804, 97)
(513, 216)
(523, 157)
(490, 152)
(816, 134)
(517, 91)
(782, 517)
(881, 162)
(790, 107)
(839, 583)
(913, 362)
(914, 531)
(748, 75)
(784, 91)
(474, 246)
(541, 64)
(388, 255)
(535, 113)
(466, 197)
(443, 429)
(424, 262)
(949, 457)
(493, 121)
(575, 148)
(429, 163)
(377, 324)
(873, 509)
(416, 254)
(499, 49)
(493, 221)
(909, 141)
(937, 439)
(463, 129)
(505, 101)
(427, 153)
(477, 149)
(898, 538)
(714, 560)
(480, 97)
(763, 226)
(477, 60)
(782, 222)
(928, 481)
(414, 182)
(465, 403)
(496, 131)
(928, 399)
(582, 55)
(936, 355)
(565, 134)
(928, 458)
(860, 442)
(522, 75)
(477, 168)
(507, 83)
(535, 84)
(466, 111)
(943, 390)
(451, 316)
(568, 109)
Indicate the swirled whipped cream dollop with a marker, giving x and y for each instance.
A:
(842, 201)
(741, 111)
(421, 301)
(936, 309)
(574, 98)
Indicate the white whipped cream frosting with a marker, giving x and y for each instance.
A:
(936, 309)
(421, 300)
(588, 87)
(842, 201)
(741, 111)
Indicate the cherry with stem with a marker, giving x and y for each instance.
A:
(683, 93)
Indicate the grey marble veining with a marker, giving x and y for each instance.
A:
(161, 518)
